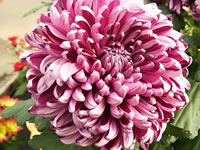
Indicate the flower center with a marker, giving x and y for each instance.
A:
(115, 58)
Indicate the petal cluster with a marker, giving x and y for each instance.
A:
(7, 101)
(109, 72)
(196, 8)
(192, 5)
(8, 126)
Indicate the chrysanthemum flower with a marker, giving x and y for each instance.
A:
(7, 101)
(176, 5)
(196, 9)
(3, 132)
(12, 127)
(19, 66)
(194, 5)
(110, 72)
(13, 38)
(8, 126)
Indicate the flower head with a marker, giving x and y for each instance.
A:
(192, 6)
(196, 8)
(12, 127)
(13, 38)
(19, 66)
(8, 126)
(175, 5)
(3, 132)
(7, 101)
(109, 72)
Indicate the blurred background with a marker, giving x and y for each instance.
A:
(12, 20)
(16, 19)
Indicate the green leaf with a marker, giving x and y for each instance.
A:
(171, 134)
(177, 20)
(188, 117)
(35, 9)
(189, 20)
(192, 40)
(43, 124)
(20, 111)
(21, 80)
(167, 139)
(136, 147)
(147, 1)
(22, 75)
(177, 132)
(49, 141)
(188, 144)
(194, 69)
(159, 146)
(21, 89)
(165, 10)
(17, 144)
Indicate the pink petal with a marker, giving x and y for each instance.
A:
(78, 95)
(67, 70)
